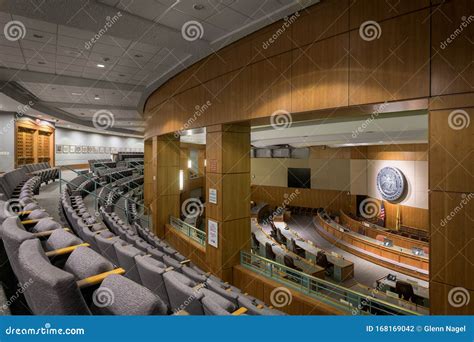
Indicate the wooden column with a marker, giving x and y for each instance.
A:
(228, 172)
(451, 164)
(166, 201)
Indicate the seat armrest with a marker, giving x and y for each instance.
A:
(169, 269)
(65, 250)
(184, 262)
(48, 233)
(239, 311)
(30, 222)
(98, 278)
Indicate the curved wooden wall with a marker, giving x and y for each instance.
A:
(321, 62)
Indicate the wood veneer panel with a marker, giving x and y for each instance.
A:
(451, 161)
(395, 66)
(452, 240)
(452, 69)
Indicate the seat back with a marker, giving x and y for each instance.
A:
(126, 258)
(269, 254)
(151, 273)
(182, 293)
(53, 291)
(380, 237)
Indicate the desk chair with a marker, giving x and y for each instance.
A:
(273, 233)
(289, 262)
(322, 260)
(269, 253)
(255, 242)
(404, 290)
(280, 237)
(297, 249)
(380, 237)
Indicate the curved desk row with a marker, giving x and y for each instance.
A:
(396, 258)
(343, 268)
(280, 252)
(372, 231)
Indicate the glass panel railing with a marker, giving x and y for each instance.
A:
(195, 234)
(339, 297)
(115, 194)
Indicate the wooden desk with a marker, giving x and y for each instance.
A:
(343, 269)
(423, 292)
(260, 211)
(308, 268)
(396, 258)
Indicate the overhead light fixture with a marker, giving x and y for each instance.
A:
(205, 162)
(190, 164)
(76, 94)
(96, 97)
(100, 65)
(198, 7)
(181, 180)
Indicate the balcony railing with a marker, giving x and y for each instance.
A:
(192, 232)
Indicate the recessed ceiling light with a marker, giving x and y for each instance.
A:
(96, 97)
(198, 7)
(77, 94)
(100, 65)
(38, 36)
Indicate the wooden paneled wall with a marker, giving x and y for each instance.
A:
(319, 62)
(332, 200)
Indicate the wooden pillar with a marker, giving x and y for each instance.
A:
(228, 172)
(166, 183)
(148, 173)
(451, 164)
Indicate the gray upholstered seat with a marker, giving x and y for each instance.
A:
(37, 214)
(106, 246)
(126, 259)
(212, 308)
(85, 262)
(192, 274)
(254, 310)
(227, 293)
(61, 239)
(53, 291)
(127, 298)
(182, 294)
(151, 273)
(169, 261)
(155, 253)
(45, 224)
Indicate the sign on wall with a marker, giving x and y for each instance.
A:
(212, 196)
(212, 233)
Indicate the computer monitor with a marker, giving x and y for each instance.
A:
(387, 242)
(417, 251)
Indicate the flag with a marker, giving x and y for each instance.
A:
(399, 219)
(382, 215)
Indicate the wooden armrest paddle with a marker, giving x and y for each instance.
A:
(28, 222)
(98, 278)
(169, 269)
(25, 212)
(65, 250)
(184, 262)
(259, 306)
(239, 311)
(47, 233)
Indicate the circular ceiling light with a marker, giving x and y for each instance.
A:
(198, 7)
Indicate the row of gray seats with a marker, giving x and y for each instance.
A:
(113, 174)
(12, 183)
(43, 170)
(149, 261)
(66, 277)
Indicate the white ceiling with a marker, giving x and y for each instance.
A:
(140, 51)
